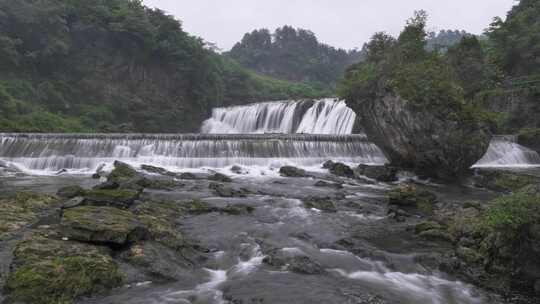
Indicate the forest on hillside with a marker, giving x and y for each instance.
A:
(293, 54)
(495, 80)
(115, 66)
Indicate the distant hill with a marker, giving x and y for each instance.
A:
(294, 55)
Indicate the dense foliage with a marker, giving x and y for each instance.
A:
(434, 71)
(114, 65)
(293, 54)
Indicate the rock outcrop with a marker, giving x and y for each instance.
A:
(426, 140)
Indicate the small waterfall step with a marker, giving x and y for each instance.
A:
(42, 153)
(504, 151)
(325, 116)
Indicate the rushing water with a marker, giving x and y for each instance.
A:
(503, 151)
(49, 153)
(326, 116)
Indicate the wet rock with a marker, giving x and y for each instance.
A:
(410, 196)
(120, 198)
(503, 181)
(226, 191)
(122, 173)
(427, 225)
(290, 171)
(296, 263)
(321, 203)
(99, 172)
(237, 209)
(324, 184)
(157, 170)
(218, 177)
(51, 271)
(157, 260)
(436, 235)
(70, 192)
(339, 169)
(102, 225)
(24, 209)
(379, 173)
(537, 287)
(469, 255)
(239, 170)
(188, 176)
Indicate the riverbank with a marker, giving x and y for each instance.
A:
(322, 236)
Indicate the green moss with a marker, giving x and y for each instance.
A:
(411, 196)
(428, 225)
(119, 195)
(510, 213)
(21, 210)
(50, 271)
(513, 182)
(101, 225)
(122, 172)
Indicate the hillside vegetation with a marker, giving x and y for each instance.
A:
(115, 66)
(293, 54)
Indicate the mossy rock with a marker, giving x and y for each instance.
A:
(47, 271)
(436, 235)
(121, 198)
(218, 177)
(427, 225)
(122, 172)
(469, 255)
(290, 171)
(70, 192)
(530, 138)
(237, 209)
(504, 181)
(320, 203)
(409, 196)
(102, 225)
(22, 210)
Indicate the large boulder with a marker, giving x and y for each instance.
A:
(47, 270)
(422, 138)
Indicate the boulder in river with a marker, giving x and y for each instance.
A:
(339, 169)
(380, 173)
(320, 203)
(411, 196)
(290, 171)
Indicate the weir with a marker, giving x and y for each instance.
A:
(42, 153)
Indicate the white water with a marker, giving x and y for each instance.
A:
(503, 151)
(325, 116)
(49, 153)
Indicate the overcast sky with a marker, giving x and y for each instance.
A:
(340, 23)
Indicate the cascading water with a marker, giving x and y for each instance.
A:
(325, 116)
(79, 152)
(503, 151)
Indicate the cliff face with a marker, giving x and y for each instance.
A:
(423, 140)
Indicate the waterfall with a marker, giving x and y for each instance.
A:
(325, 116)
(503, 151)
(49, 153)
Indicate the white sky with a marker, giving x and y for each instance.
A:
(340, 23)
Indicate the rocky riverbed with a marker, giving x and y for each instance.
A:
(336, 234)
